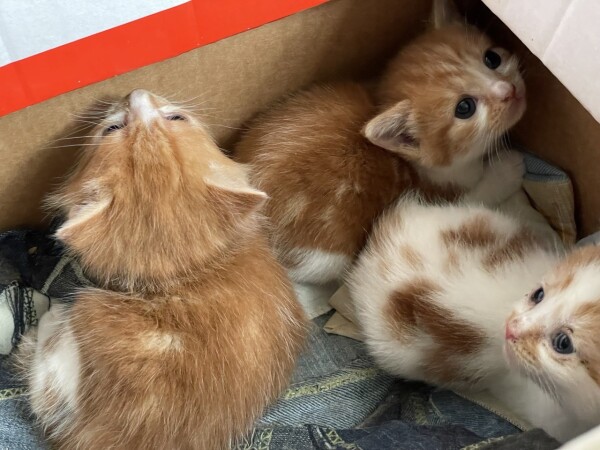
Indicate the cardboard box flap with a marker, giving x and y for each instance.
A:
(564, 35)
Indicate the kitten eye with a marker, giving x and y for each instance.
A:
(562, 343)
(115, 127)
(465, 108)
(537, 296)
(175, 117)
(492, 59)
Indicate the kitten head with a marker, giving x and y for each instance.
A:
(153, 198)
(447, 95)
(553, 334)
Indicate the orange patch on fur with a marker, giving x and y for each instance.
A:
(586, 321)
(475, 232)
(526, 346)
(478, 233)
(564, 274)
(452, 264)
(412, 308)
(514, 248)
(580, 257)
(411, 257)
(563, 279)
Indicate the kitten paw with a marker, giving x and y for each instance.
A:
(510, 169)
(502, 177)
(507, 173)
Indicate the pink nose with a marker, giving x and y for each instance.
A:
(504, 90)
(141, 105)
(509, 333)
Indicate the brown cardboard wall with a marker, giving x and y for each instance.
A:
(230, 79)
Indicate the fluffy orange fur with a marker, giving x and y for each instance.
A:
(332, 158)
(195, 327)
(326, 182)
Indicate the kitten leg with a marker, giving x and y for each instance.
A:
(501, 179)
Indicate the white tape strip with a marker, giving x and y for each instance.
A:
(34, 26)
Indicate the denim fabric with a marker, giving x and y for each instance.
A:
(334, 374)
(337, 399)
(537, 169)
(16, 429)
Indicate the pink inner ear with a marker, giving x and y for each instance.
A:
(231, 178)
(393, 129)
(237, 202)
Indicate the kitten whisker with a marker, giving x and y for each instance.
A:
(70, 145)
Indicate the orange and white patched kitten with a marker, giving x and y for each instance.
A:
(194, 327)
(441, 106)
(441, 292)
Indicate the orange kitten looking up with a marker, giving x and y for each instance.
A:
(441, 106)
(194, 327)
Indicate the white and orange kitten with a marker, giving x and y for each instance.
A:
(194, 327)
(334, 157)
(441, 292)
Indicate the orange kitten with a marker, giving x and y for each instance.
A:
(194, 328)
(326, 183)
(447, 97)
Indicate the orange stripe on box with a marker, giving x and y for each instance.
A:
(99, 56)
(135, 44)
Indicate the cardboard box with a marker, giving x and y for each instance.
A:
(235, 77)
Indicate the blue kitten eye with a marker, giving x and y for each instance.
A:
(465, 108)
(492, 59)
(114, 127)
(562, 343)
(175, 117)
(537, 296)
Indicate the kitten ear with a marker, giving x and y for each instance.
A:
(80, 211)
(394, 129)
(241, 203)
(80, 214)
(231, 185)
(444, 13)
